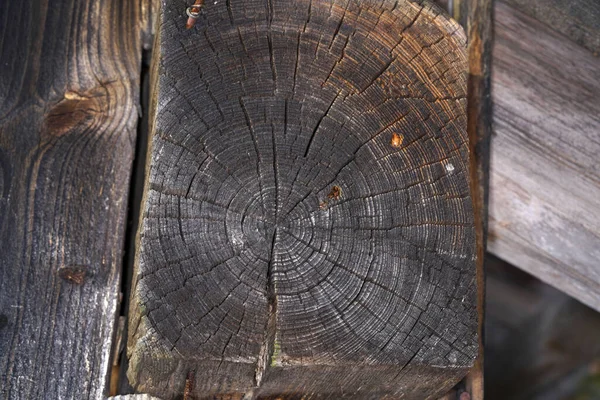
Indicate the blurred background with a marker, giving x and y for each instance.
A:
(541, 344)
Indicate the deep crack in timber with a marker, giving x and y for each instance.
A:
(266, 350)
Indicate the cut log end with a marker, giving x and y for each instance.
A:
(292, 244)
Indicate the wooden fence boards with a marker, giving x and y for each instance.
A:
(545, 176)
(68, 112)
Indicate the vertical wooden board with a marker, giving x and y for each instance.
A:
(479, 127)
(545, 175)
(307, 226)
(68, 113)
(476, 18)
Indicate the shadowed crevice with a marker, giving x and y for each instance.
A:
(266, 352)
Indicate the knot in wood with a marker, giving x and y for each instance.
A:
(75, 274)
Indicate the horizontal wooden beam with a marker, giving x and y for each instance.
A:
(545, 171)
(578, 20)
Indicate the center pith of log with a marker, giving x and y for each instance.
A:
(307, 226)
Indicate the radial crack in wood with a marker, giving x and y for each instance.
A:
(289, 245)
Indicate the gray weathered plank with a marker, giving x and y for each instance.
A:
(255, 275)
(68, 113)
(545, 174)
(579, 20)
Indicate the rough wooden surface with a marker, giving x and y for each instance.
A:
(308, 226)
(578, 20)
(479, 128)
(476, 18)
(68, 97)
(545, 175)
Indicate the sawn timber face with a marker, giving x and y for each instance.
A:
(308, 227)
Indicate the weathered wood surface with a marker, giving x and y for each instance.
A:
(68, 112)
(308, 226)
(579, 20)
(476, 18)
(545, 175)
(479, 129)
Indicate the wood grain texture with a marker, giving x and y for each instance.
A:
(578, 20)
(545, 176)
(479, 22)
(291, 244)
(476, 18)
(68, 98)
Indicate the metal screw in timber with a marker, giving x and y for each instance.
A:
(193, 13)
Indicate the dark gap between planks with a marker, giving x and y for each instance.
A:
(119, 383)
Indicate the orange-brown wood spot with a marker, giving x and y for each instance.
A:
(397, 140)
(335, 193)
